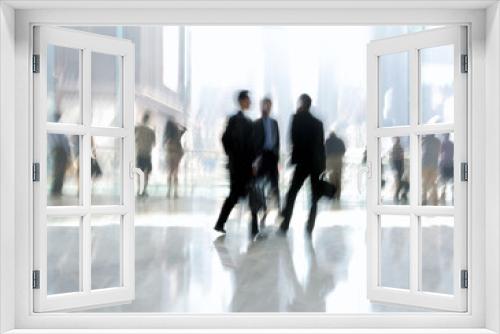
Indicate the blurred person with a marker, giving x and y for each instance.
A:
(267, 147)
(172, 142)
(335, 151)
(145, 140)
(308, 156)
(95, 167)
(446, 164)
(397, 158)
(431, 148)
(239, 146)
(60, 152)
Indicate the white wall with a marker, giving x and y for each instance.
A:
(492, 64)
(6, 166)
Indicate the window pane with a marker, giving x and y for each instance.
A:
(171, 57)
(106, 90)
(437, 254)
(436, 85)
(393, 95)
(106, 170)
(63, 170)
(63, 254)
(395, 251)
(63, 85)
(437, 169)
(394, 170)
(106, 251)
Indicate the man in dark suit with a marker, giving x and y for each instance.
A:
(308, 156)
(239, 146)
(267, 147)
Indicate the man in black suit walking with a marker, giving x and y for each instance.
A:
(308, 156)
(239, 146)
(267, 142)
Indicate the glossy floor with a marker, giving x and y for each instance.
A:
(183, 266)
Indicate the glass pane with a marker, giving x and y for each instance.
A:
(395, 251)
(106, 251)
(437, 169)
(436, 84)
(63, 254)
(394, 170)
(63, 170)
(63, 85)
(106, 170)
(437, 254)
(106, 90)
(394, 93)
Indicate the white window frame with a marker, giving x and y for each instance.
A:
(411, 44)
(86, 44)
(483, 122)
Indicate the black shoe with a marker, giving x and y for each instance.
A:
(219, 229)
(309, 229)
(283, 229)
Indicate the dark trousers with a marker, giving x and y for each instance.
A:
(299, 176)
(269, 170)
(239, 186)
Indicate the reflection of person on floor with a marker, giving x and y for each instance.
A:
(397, 158)
(308, 156)
(266, 134)
(431, 147)
(172, 142)
(446, 165)
(275, 275)
(60, 152)
(335, 151)
(145, 140)
(239, 146)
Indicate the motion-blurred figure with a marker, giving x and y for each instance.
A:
(61, 158)
(431, 147)
(145, 140)
(308, 156)
(239, 146)
(172, 142)
(267, 142)
(446, 165)
(397, 157)
(335, 151)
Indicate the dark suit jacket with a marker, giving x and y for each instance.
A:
(307, 136)
(238, 143)
(260, 136)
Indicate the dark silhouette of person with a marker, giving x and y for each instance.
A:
(397, 157)
(145, 140)
(431, 148)
(267, 147)
(239, 146)
(308, 156)
(446, 165)
(172, 142)
(60, 152)
(335, 151)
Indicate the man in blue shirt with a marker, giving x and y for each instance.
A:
(267, 147)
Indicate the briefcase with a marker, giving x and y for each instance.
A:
(327, 189)
(257, 196)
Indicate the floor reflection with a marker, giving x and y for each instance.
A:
(182, 266)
